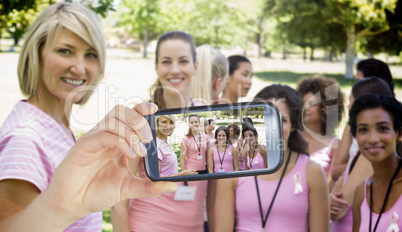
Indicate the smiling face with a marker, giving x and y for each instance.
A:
(175, 67)
(165, 127)
(239, 83)
(69, 65)
(312, 108)
(194, 124)
(375, 134)
(221, 136)
(286, 123)
(249, 136)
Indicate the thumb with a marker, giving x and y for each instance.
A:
(138, 188)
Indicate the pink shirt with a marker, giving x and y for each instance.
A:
(323, 157)
(163, 213)
(167, 157)
(390, 221)
(257, 162)
(192, 145)
(32, 145)
(290, 209)
(226, 157)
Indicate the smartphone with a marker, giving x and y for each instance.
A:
(214, 142)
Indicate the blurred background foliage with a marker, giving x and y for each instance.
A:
(337, 27)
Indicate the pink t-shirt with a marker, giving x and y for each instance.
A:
(223, 160)
(290, 209)
(163, 213)
(32, 145)
(257, 162)
(323, 157)
(196, 151)
(167, 157)
(390, 221)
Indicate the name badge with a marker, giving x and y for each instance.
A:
(221, 170)
(185, 193)
(199, 157)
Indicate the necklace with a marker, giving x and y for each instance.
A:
(264, 220)
(385, 200)
(219, 156)
(251, 159)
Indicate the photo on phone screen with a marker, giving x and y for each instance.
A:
(211, 142)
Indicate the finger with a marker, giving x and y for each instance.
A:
(136, 188)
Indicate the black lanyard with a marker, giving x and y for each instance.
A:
(199, 147)
(221, 161)
(251, 163)
(264, 221)
(385, 200)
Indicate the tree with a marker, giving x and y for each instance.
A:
(141, 18)
(359, 18)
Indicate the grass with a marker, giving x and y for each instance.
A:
(292, 78)
(107, 222)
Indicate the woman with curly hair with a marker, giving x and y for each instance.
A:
(323, 110)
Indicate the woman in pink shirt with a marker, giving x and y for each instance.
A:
(255, 154)
(222, 155)
(376, 122)
(167, 159)
(193, 150)
(323, 110)
(48, 180)
(175, 65)
(295, 198)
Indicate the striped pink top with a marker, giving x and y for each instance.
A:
(32, 145)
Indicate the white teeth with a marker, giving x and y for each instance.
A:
(374, 149)
(73, 82)
(175, 80)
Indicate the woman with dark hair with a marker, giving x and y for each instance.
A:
(374, 68)
(194, 147)
(175, 65)
(210, 128)
(239, 81)
(323, 110)
(376, 122)
(358, 168)
(234, 132)
(255, 155)
(222, 156)
(295, 198)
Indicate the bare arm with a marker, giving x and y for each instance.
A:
(210, 160)
(359, 197)
(318, 198)
(183, 156)
(342, 155)
(334, 152)
(235, 159)
(225, 205)
(361, 171)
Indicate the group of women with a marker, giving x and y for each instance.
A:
(51, 181)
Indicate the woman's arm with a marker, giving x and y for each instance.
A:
(318, 198)
(358, 200)
(263, 152)
(210, 160)
(97, 161)
(342, 155)
(334, 152)
(235, 159)
(361, 171)
(183, 156)
(225, 205)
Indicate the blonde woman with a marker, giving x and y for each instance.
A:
(210, 78)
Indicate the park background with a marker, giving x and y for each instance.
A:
(285, 40)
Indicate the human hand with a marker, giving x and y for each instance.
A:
(188, 172)
(94, 175)
(338, 205)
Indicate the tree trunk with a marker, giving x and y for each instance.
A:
(216, 36)
(350, 52)
(146, 32)
(312, 53)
